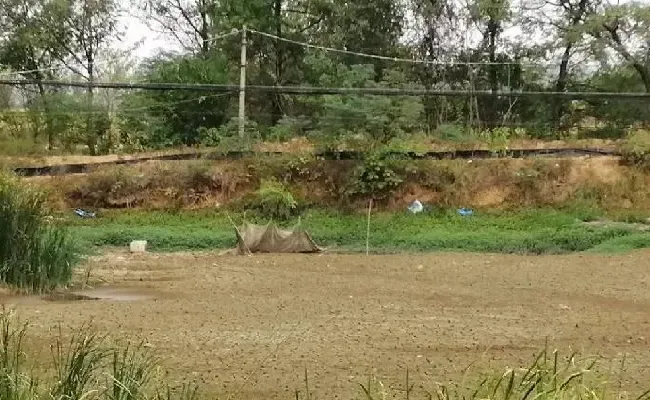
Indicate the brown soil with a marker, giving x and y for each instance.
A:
(494, 183)
(248, 327)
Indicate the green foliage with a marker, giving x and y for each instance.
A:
(636, 151)
(227, 136)
(377, 118)
(272, 201)
(454, 133)
(531, 232)
(375, 179)
(86, 366)
(550, 376)
(35, 255)
(179, 116)
(287, 128)
(41, 34)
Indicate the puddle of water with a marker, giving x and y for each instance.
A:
(113, 294)
(67, 297)
(97, 294)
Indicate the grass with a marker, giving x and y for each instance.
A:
(522, 232)
(548, 377)
(86, 366)
(34, 254)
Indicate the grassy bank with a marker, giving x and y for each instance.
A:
(525, 232)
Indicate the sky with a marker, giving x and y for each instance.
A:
(134, 31)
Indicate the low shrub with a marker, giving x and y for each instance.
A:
(272, 201)
(636, 150)
(374, 179)
(35, 255)
(119, 187)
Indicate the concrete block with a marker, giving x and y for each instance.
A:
(138, 246)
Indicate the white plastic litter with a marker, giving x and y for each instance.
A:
(416, 207)
(138, 246)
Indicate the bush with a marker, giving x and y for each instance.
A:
(34, 255)
(287, 128)
(375, 179)
(113, 188)
(636, 150)
(273, 201)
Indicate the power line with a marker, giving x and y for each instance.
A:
(222, 36)
(60, 66)
(200, 99)
(311, 91)
(387, 58)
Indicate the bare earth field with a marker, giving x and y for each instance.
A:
(248, 327)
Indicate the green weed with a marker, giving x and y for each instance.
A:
(35, 255)
(543, 231)
(86, 366)
(272, 201)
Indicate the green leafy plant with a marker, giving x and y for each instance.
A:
(273, 201)
(374, 178)
(35, 255)
(287, 128)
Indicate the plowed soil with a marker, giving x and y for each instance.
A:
(249, 327)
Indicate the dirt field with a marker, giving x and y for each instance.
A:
(247, 327)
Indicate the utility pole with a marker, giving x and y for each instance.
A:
(242, 85)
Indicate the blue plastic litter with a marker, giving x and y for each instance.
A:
(85, 214)
(465, 212)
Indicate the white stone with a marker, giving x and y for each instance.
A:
(138, 246)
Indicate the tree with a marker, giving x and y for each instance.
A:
(173, 118)
(88, 27)
(625, 29)
(191, 23)
(27, 46)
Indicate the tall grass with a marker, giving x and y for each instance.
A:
(35, 255)
(86, 367)
(549, 377)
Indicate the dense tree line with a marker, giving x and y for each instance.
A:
(494, 45)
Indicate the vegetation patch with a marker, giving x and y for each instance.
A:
(35, 254)
(85, 366)
(347, 184)
(530, 232)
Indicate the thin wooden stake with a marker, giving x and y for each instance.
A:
(368, 229)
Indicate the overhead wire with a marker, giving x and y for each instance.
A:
(311, 90)
(388, 58)
(25, 113)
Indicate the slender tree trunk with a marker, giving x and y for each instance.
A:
(641, 68)
(91, 131)
(559, 104)
(49, 129)
(205, 29)
(644, 73)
